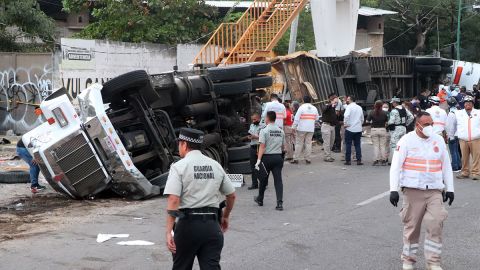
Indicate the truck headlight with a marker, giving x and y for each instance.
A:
(60, 117)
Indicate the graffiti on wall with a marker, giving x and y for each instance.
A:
(21, 90)
(75, 86)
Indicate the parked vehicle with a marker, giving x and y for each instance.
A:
(128, 145)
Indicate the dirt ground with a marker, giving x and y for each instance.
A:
(23, 214)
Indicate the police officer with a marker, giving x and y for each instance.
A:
(421, 168)
(253, 136)
(195, 187)
(270, 159)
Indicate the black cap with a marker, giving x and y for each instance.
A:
(191, 135)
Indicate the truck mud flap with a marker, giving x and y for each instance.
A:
(240, 167)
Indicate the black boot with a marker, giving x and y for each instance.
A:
(258, 201)
(279, 206)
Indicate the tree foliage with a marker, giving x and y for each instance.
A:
(305, 35)
(24, 19)
(158, 21)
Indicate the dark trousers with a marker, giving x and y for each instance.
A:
(200, 238)
(355, 137)
(253, 160)
(274, 164)
(453, 145)
(337, 145)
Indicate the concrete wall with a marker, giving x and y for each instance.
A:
(25, 80)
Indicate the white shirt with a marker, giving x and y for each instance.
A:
(353, 118)
(305, 118)
(278, 108)
(421, 164)
(450, 126)
(439, 117)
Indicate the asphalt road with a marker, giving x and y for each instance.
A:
(323, 227)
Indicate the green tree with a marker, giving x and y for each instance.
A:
(305, 35)
(158, 21)
(24, 19)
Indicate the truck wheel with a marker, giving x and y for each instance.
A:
(239, 153)
(233, 88)
(428, 60)
(14, 177)
(229, 73)
(260, 67)
(131, 80)
(241, 167)
(428, 68)
(262, 82)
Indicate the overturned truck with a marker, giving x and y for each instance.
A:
(122, 136)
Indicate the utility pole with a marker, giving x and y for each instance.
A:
(459, 17)
(293, 35)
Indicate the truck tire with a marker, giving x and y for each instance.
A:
(229, 73)
(239, 153)
(428, 60)
(14, 177)
(446, 62)
(260, 67)
(428, 68)
(240, 167)
(233, 88)
(262, 82)
(132, 80)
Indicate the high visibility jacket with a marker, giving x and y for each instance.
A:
(421, 164)
(467, 127)
(305, 118)
(439, 117)
(278, 108)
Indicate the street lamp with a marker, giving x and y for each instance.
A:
(458, 28)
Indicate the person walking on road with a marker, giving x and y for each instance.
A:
(289, 132)
(353, 120)
(379, 120)
(277, 107)
(398, 121)
(270, 159)
(329, 121)
(253, 133)
(196, 186)
(304, 126)
(23, 153)
(439, 116)
(421, 168)
(466, 124)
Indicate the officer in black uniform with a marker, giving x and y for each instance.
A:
(270, 159)
(196, 186)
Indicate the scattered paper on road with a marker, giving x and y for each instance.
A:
(135, 243)
(102, 237)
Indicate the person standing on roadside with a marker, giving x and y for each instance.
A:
(466, 124)
(23, 153)
(453, 144)
(289, 132)
(196, 186)
(421, 169)
(398, 121)
(353, 120)
(270, 159)
(379, 120)
(329, 121)
(277, 107)
(304, 126)
(253, 134)
(438, 114)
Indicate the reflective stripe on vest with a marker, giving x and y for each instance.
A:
(422, 165)
(308, 116)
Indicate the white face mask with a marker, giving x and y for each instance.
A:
(427, 131)
(385, 109)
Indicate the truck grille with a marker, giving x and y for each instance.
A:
(77, 160)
